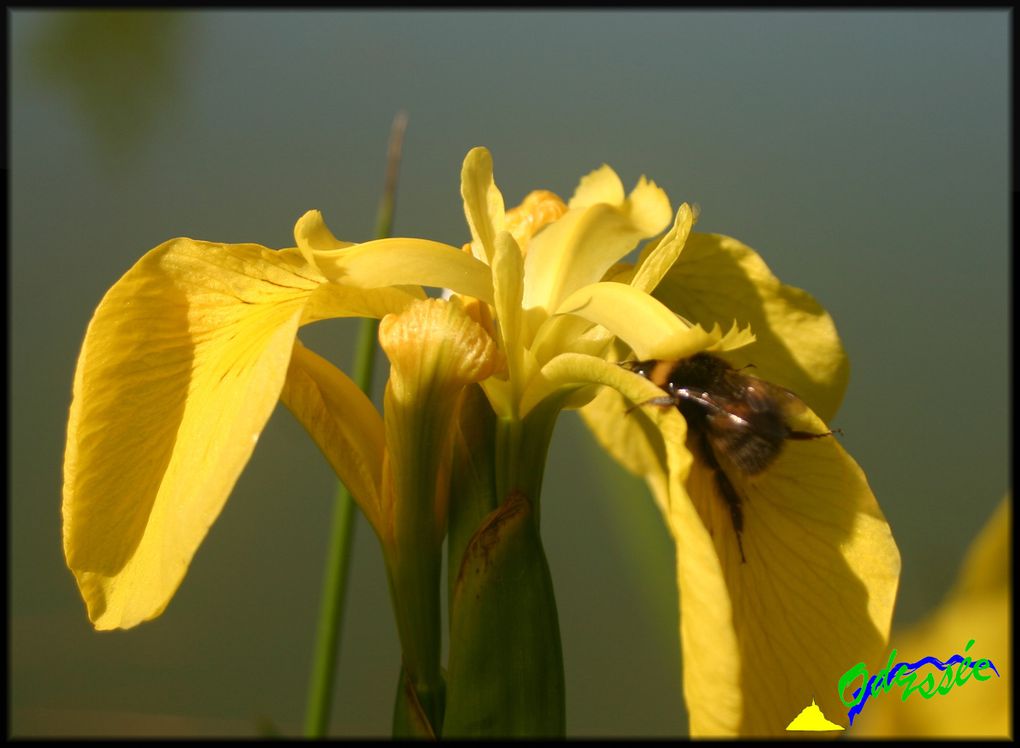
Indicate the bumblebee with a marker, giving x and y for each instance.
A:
(735, 421)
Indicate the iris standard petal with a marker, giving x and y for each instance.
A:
(483, 203)
(181, 366)
(717, 279)
(600, 186)
(581, 246)
(656, 261)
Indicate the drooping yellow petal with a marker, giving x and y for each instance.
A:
(712, 654)
(181, 366)
(717, 279)
(817, 590)
(342, 421)
(818, 584)
(600, 228)
(711, 671)
(483, 203)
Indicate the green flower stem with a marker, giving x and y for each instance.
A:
(334, 591)
(521, 448)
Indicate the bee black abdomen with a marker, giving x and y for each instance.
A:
(754, 446)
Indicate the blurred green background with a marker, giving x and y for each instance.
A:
(863, 154)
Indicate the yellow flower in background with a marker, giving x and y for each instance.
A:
(188, 353)
(978, 608)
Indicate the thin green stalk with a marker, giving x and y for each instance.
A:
(320, 694)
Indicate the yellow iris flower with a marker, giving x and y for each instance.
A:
(188, 353)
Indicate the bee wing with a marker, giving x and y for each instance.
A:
(760, 391)
(714, 405)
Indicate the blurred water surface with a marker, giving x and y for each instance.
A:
(863, 154)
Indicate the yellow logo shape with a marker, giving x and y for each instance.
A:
(812, 719)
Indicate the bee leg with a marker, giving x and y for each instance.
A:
(732, 498)
(664, 401)
(809, 435)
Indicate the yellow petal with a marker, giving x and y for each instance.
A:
(398, 262)
(712, 652)
(600, 186)
(181, 366)
(483, 203)
(661, 258)
(632, 441)
(342, 421)
(331, 301)
(814, 597)
(600, 228)
(817, 590)
(435, 344)
(717, 279)
(536, 211)
(645, 324)
(311, 234)
(508, 278)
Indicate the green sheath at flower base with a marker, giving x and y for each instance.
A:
(472, 477)
(506, 665)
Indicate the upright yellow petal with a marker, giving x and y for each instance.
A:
(181, 366)
(600, 186)
(660, 258)
(601, 227)
(483, 203)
